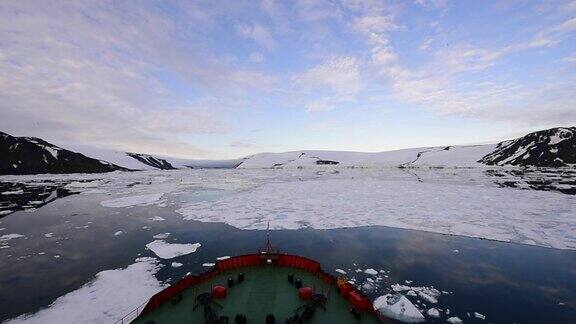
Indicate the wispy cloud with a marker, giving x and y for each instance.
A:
(93, 72)
(259, 34)
(340, 75)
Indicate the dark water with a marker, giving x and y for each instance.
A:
(506, 282)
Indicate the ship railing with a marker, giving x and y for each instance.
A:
(128, 318)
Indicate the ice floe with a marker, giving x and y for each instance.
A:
(132, 200)
(118, 233)
(208, 264)
(176, 264)
(429, 294)
(398, 307)
(223, 257)
(503, 214)
(480, 316)
(340, 271)
(110, 296)
(161, 236)
(8, 237)
(13, 192)
(454, 320)
(167, 250)
(433, 312)
(371, 272)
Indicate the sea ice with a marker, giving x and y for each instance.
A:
(8, 237)
(454, 320)
(398, 307)
(167, 250)
(433, 312)
(475, 210)
(176, 264)
(161, 236)
(429, 294)
(111, 295)
(13, 192)
(132, 200)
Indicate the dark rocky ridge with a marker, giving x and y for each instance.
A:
(152, 161)
(555, 147)
(30, 155)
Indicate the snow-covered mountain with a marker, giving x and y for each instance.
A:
(555, 147)
(448, 156)
(30, 155)
(138, 161)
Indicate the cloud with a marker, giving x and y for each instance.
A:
(326, 126)
(432, 3)
(94, 72)
(257, 33)
(317, 10)
(256, 57)
(570, 58)
(242, 144)
(339, 76)
(444, 83)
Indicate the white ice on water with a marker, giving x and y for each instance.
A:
(398, 307)
(167, 250)
(433, 312)
(454, 320)
(504, 214)
(132, 200)
(429, 294)
(13, 192)
(161, 236)
(480, 316)
(111, 295)
(8, 237)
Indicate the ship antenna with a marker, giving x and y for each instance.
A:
(268, 243)
(269, 248)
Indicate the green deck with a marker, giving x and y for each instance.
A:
(264, 291)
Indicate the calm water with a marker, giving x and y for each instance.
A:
(506, 282)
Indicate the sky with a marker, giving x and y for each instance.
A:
(225, 79)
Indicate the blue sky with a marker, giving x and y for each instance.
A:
(223, 79)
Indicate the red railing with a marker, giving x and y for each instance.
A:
(132, 315)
